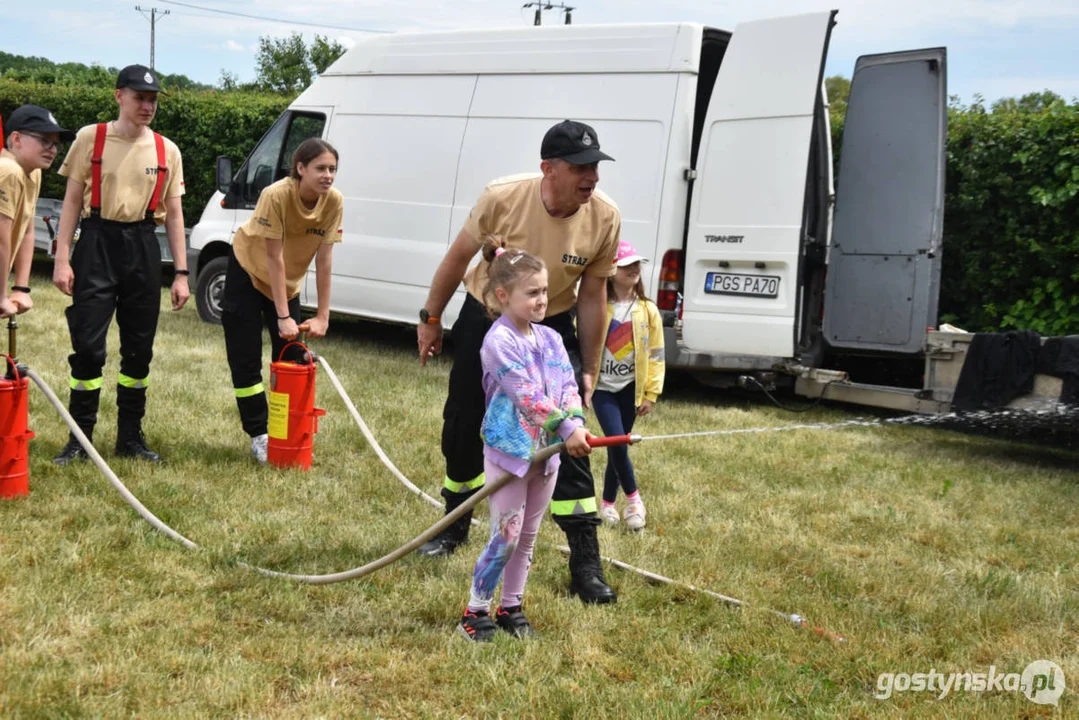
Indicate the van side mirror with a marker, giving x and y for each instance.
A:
(224, 173)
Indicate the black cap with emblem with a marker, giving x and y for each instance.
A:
(138, 77)
(574, 142)
(31, 118)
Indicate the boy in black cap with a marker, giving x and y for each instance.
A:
(123, 179)
(560, 217)
(31, 145)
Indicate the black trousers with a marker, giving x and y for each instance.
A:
(574, 495)
(244, 313)
(117, 269)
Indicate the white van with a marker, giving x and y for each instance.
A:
(723, 174)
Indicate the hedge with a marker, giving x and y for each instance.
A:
(204, 124)
(1011, 219)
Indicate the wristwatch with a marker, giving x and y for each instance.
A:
(427, 319)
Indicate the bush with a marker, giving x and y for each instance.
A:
(204, 124)
(1011, 222)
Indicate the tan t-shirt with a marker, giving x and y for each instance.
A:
(280, 215)
(18, 199)
(128, 174)
(582, 243)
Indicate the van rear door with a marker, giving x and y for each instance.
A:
(884, 267)
(748, 205)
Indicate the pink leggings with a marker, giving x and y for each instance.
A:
(516, 511)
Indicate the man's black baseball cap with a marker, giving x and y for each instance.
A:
(32, 118)
(574, 142)
(138, 77)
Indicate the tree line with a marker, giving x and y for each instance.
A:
(43, 71)
(282, 65)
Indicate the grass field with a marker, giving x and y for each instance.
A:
(928, 549)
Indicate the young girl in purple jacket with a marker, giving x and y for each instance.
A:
(532, 402)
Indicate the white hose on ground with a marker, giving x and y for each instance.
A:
(562, 548)
(353, 574)
(794, 618)
(104, 467)
(400, 552)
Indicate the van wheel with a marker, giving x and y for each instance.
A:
(210, 290)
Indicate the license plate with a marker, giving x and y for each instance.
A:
(736, 284)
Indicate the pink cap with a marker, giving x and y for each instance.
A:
(627, 255)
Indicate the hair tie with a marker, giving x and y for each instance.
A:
(499, 251)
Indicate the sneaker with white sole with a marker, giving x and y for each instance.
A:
(634, 516)
(609, 515)
(477, 626)
(259, 445)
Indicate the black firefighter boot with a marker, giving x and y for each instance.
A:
(585, 568)
(83, 408)
(131, 406)
(456, 534)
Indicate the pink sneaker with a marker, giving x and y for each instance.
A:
(634, 515)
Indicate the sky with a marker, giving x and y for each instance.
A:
(996, 48)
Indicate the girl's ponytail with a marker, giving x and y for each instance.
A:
(491, 245)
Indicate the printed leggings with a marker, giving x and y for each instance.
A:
(516, 511)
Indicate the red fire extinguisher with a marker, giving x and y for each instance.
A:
(293, 417)
(14, 420)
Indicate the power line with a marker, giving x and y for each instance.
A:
(271, 19)
(153, 25)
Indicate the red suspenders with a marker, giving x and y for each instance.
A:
(95, 171)
(159, 143)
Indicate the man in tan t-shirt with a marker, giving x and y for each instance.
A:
(30, 146)
(123, 179)
(562, 218)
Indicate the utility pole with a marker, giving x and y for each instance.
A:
(154, 12)
(541, 6)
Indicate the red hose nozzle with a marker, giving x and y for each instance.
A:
(614, 440)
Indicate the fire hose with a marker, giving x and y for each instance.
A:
(353, 574)
(432, 531)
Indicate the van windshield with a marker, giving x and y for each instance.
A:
(269, 161)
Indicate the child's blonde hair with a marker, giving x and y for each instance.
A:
(506, 268)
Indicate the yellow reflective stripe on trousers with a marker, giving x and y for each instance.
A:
(573, 507)
(250, 391)
(77, 384)
(457, 487)
(130, 382)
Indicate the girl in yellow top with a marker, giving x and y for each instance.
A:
(297, 219)
(630, 379)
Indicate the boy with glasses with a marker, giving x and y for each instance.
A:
(33, 139)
